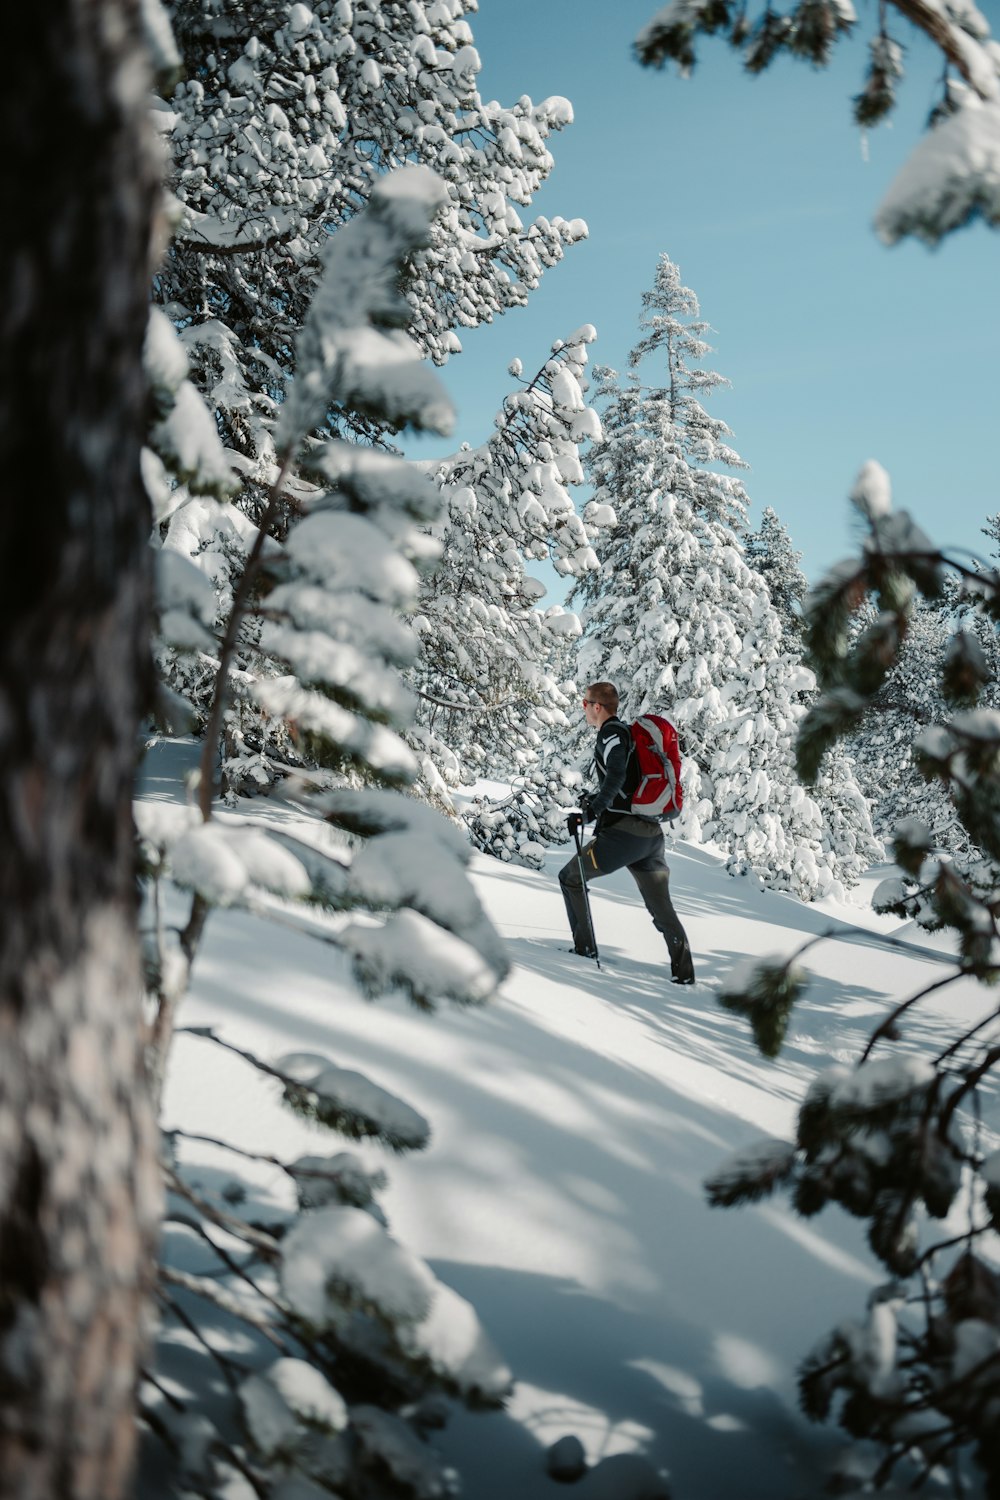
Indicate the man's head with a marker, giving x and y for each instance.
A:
(600, 702)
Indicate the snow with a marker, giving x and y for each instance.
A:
(156, 481)
(203, 861)
(768, 1156)
(346, 1247)
(392, 812)
(162, 823)
(977, 724)
(566, 391)
(300, 18)
(575, 1120)
(411, 947)
(345, 617)
(315, 659)
(376, 478)
(881, 1081)
(558, 110)
(159, 38)
(888, 893)
(287, 1398)
(211, 231)
(348, 552)
(188, 436)
(563, 622)
(321, 1181)
(876, 1350)
(348, 1092)
(342, 352)
(391, 871)
(163, 356)
(222, 863)
(466, 60)
(282, 696)
(872, 492)
(952, 174)
(182, 586)
(452, 1338)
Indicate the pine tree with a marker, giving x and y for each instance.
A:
(286, 119)
(992, 531)
(278, 135)
(493, 665)
(676, 615)
(898, 1139)
(674, 335)
(365, 1328)
(910, 699)
(770, 553)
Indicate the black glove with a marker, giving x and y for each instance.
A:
(574, 823)
(585, 809)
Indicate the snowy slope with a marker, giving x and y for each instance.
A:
(573, 1123)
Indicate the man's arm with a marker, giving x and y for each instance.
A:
(615, 771)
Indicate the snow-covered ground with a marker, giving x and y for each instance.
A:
(574, 1120)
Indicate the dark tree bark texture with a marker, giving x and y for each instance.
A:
(78, 1180)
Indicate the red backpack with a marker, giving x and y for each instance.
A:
(658, 793)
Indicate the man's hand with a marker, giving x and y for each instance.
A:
(574, 823)
(585, 812)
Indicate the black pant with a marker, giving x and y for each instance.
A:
(635, 844)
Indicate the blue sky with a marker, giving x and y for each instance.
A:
(838, 349)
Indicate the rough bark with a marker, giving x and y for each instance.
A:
(78, 1180)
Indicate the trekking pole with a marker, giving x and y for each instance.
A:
(586, 895)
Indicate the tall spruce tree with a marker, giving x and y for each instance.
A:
(676, 614)
(770, 553)
(674, 335)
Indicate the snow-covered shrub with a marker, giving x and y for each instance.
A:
(518, 827)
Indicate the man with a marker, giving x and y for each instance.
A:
(621, 838)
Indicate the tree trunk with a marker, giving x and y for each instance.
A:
(78, 1180)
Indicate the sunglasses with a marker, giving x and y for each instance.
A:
(591, 703)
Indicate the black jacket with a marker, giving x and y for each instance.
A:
(614, 762)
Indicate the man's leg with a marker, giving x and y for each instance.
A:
(572, 879)
(609, 850)
(653, 879)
